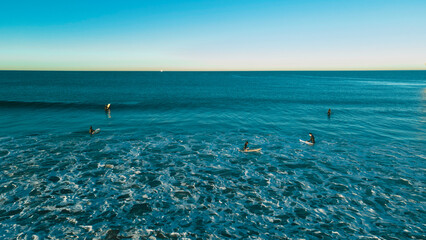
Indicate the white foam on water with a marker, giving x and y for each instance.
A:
(205, 187)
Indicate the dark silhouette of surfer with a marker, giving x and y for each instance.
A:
(245, 146)
(91, 131)
(329, 112)
(312, 140)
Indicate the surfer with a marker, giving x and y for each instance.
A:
(329, 112)
(246, 149)
(107, 107)
(312, 140)
(91, 131)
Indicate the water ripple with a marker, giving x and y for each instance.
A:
(182, 185)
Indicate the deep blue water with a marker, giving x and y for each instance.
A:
(166, 162)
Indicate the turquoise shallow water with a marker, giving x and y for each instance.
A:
(166, 162)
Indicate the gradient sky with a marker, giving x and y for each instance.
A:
(213, 35)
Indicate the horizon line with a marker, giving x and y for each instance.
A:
(235, 70)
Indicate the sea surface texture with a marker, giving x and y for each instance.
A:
(166, 163)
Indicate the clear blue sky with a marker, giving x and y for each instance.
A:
(213, 35)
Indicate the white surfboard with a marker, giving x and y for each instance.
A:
(250, 150)
(306, 142)
(96, 131)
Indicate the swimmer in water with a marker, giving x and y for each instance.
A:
(329, 112)
(312, 140)
(91, 131)
(245, 146)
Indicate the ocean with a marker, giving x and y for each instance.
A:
(166, 163)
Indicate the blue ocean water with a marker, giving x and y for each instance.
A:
(166, 162)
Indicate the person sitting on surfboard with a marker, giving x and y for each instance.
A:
(91, 131)
(246, 149)
(312, 140)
